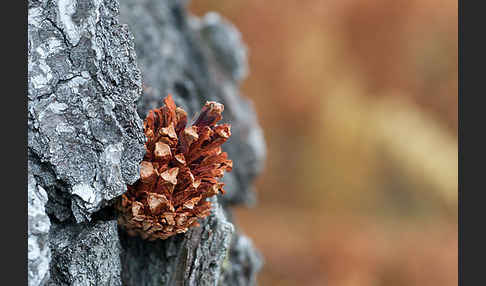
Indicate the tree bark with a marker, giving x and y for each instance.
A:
(95, 67)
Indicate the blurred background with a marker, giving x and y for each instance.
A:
(358, 103)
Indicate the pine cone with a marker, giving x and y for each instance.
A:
(179, 171)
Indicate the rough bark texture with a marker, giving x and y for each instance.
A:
(87, 61)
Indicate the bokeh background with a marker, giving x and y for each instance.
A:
(358, 103)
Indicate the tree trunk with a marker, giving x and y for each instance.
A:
(95, 67)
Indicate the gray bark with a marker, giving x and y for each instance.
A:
(95, 67)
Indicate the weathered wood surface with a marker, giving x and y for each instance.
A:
(95, 67)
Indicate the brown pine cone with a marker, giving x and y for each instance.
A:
(179, 171)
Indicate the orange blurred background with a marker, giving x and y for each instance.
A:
(358, 103)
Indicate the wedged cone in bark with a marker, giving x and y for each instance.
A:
(181, 168)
